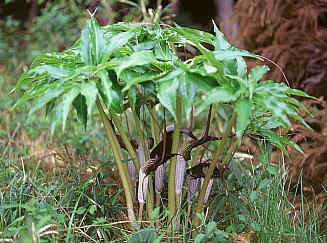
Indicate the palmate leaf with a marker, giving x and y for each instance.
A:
(271, 104)
(90, 91)
(255, 75)
(67, 101)
(243, 108)
(273, 138)
(275, 97)
(49, 106)
(202, 82)
(112, 92)
(131, 78)
(235, 67)
(198, 36)
(167, 90)
(86, 50)
(176, 84)
(163, 52)
(81, 109)
(187, 91)
(193, 37)
(219, 95)
(97, 41)
(57, 118)
(47, 95)
(114, 43)
(55, 72)
(233, 53)
(140, 58)
(278, 140)
(95, 48)
(281, 88)
(220, 42)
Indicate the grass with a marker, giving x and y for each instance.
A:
(76, 205)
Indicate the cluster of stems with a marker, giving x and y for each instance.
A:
(149, 188)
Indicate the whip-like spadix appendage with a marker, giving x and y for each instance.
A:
(180, 172)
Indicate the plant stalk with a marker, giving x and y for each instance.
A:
(117, 156)
(172, 167)
(150, 194)
(154, 126)
(217, 155)
(126, 141)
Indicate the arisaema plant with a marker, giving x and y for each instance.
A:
(136, 71)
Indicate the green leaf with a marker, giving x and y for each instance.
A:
(57, 118)
(117, 41)
(92, 209)
(80, 210)
(219, 95)
(272, 170)
(168, 90)
(197, 35)
(162, 51)
(90, 91)
(255, 75)
(291, 143)
(25, 78)
(86, 51)
(140, 58)
(273, 104)
(176, 84)
(53, 71)
(273, 137)
(155, 213)
(242, 218)
(144, 235)
(254, 196)
(264, 183)
(220, 42)
(111, 91)
(199, 238)
(210, 227)
(131, 78)
(200, 216)
(255, 226)
(233, 53)
(235, 67)
(81, 109)
(243, 108)
(49, 106)
(202, 82)
(187, 91)
(97, 41)
(297, 92)
(196, 41)
(68, 98)
(47, 95)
